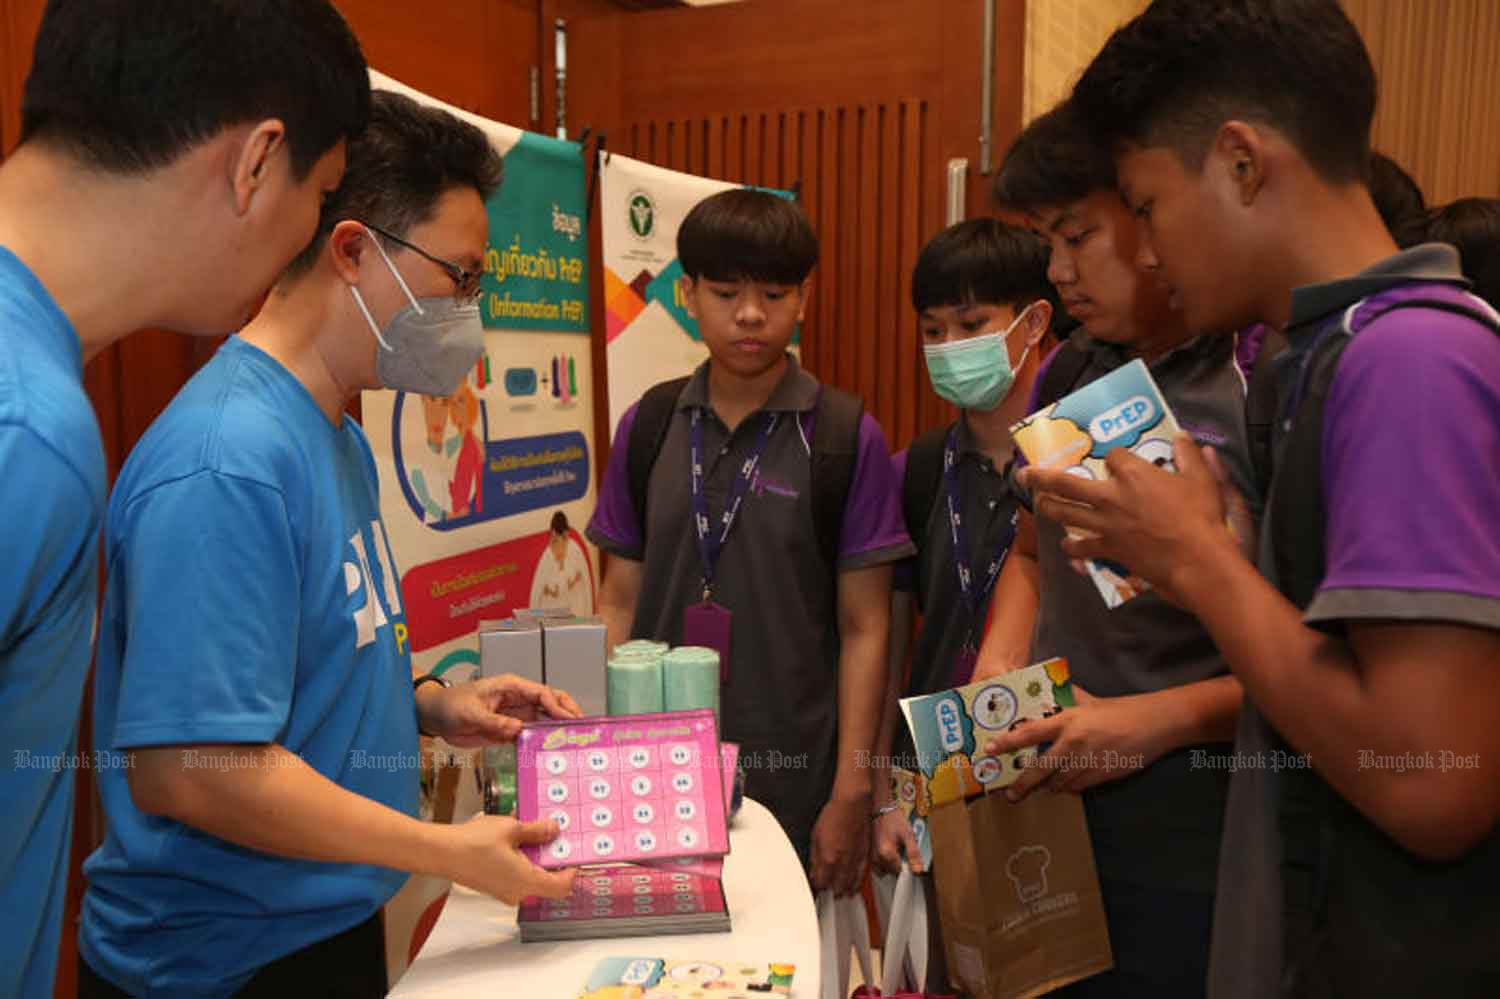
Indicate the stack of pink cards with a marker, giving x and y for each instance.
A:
(642, 802)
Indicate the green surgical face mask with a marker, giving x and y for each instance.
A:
(974, 373)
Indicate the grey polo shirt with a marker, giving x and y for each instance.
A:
(1410, 476)
(987, 502)
(1159, 827)
(781, 700)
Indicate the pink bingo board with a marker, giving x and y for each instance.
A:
(628, 891)
(628, 787)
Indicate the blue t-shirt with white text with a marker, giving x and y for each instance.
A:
(252, 598)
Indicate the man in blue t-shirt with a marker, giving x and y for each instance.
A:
(253, 671)
(1362, 832)
(144, 192)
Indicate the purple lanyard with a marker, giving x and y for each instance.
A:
(974, 601)
(711, 545)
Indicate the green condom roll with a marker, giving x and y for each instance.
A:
(690, 675)
(633, 683)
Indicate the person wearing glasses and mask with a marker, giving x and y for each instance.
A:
(254, 681)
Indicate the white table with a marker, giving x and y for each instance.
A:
(475, 949)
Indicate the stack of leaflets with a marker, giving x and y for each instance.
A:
(642, 804)
(632, 900)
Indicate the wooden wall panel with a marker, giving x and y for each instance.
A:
(1439, 68)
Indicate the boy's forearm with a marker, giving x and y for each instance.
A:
(862, 691)
(1405, 688)
(864, 603)
(1197, 713)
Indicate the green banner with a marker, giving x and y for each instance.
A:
(536, 268)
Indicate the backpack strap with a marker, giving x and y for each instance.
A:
(924, 474)
(1260, 407)
(835, 451)
(919, 488)
(1062, 374)
(652, 418)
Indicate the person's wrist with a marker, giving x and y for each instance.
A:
(1204, 570)
(428, 690)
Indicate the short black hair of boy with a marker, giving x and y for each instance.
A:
(1473, 226)
(747, 234)
(1173, 75)
(1397, 197)
(400, 166)
(128, 86)
(1053, 162)
(559, 523)
(981, 261)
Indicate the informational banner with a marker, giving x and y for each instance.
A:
(651, 336)
(485, 492)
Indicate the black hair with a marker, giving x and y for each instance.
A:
(1397, 197)
(128, 86)
(981, 261)
(1172, 76)
(1053, 161)
(400, 166)
(1472, 225)
(559, 523)
(747, 234)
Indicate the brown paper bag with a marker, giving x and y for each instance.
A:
(1018, 895)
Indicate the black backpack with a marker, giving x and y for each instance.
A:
(834, 441)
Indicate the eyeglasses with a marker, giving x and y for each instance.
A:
(465, 280)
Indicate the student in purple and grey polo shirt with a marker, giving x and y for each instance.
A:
(1362, 839)
(809, 624)
(1157, 697)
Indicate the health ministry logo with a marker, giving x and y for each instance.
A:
(642, 215)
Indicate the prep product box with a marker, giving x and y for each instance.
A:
(512, 645)
(573, 649)
(949, 729)
(1122, 409)
(634, 977)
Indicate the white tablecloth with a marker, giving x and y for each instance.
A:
(475, 949)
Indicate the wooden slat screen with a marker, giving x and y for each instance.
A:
(871, 190)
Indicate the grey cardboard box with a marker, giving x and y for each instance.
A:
(575, 654)
(511, 646)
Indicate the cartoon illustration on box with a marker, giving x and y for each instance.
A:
(1122, 409)
(950, 728)
(655, 978)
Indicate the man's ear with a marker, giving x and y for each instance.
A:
(687, 284)
(347, 244)
(1239, 150)
(250, 169)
